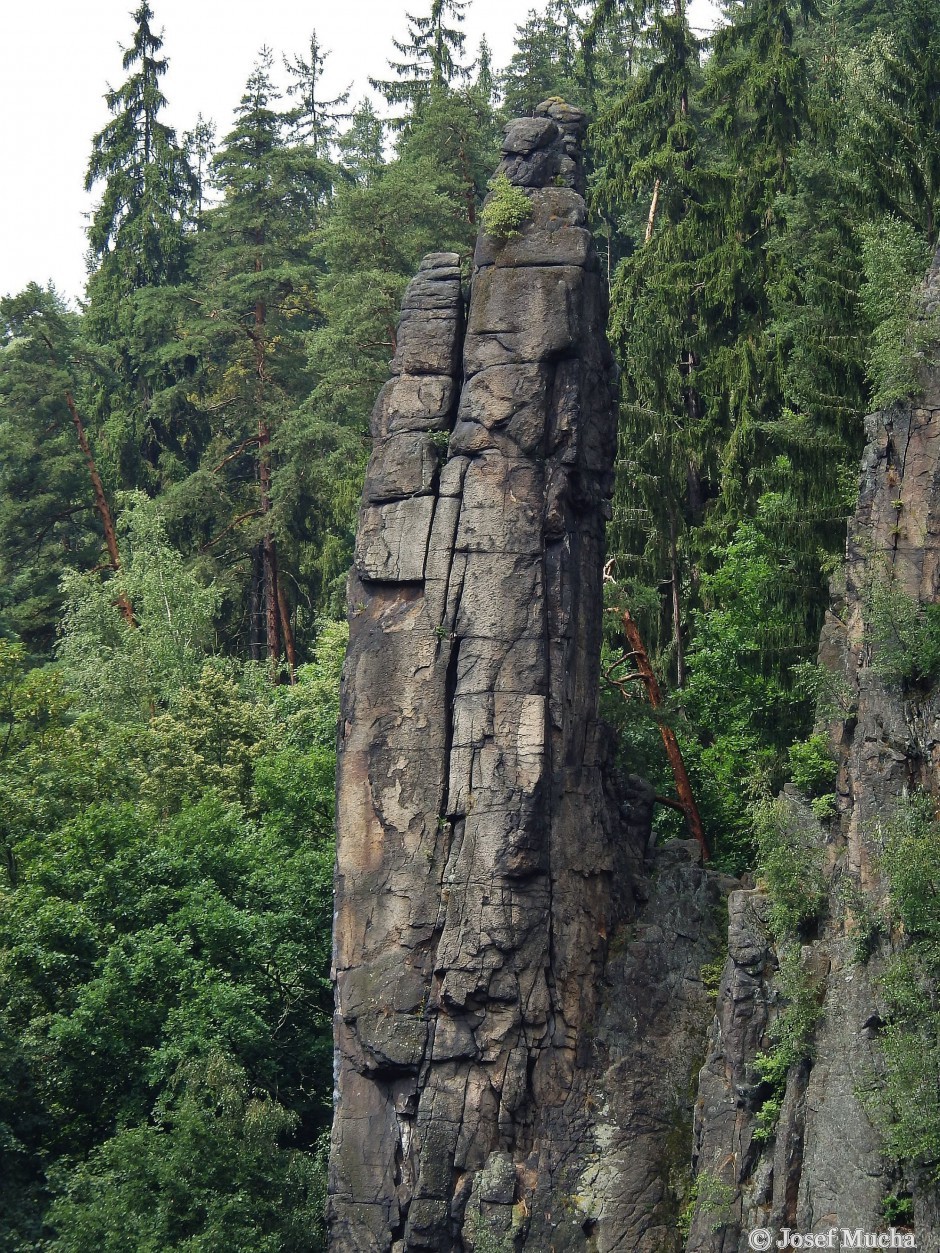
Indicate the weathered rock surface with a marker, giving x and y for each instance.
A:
(518, 996)
(824, 1167)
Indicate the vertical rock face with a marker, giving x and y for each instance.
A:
(824, 1167)
(485, 858)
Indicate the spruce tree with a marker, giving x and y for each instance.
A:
(648, 166)
(361, 146)
(314, 120)
(137, 231)
(256, 299)
(432, 52)
(543, 63)
(139, 240)
(55, 512)
(896, 134)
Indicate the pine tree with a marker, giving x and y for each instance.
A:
(55, 513)
(139, 246)
(543, 63)
(137, 231)
(314, 121)
(255, 288)
(432, 51)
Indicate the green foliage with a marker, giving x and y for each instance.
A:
(164, 947)
(812, 768)
(129, 671)
(506, 210)
(895, 258)
(792, 1034)
(739, 687)
(210, 1171)
(867, 923)
(165, 813)
(545, 60)
(711, 1198)
(137, 228)
(711, 975)
(911, 860)
(432, 50)
(898, 1208)
(897, 115)
(789, 858)
(47, 519)
(832, 695)
(904, 634)
(904, 1101)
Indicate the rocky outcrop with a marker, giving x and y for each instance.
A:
(824, 1166)
(518, 994)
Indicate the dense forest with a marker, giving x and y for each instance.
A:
(180, 467)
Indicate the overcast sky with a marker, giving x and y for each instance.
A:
(57, 58)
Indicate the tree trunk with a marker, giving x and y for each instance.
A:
(101, 504)
(256, 611)
(654, 205)
(287, 631)
(269, 552)
(673, 751)
(271, 614)
(676, 600)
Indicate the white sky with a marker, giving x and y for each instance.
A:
(58, 56)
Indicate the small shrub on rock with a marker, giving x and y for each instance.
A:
(506, 209)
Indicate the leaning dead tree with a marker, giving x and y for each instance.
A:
(636, 655)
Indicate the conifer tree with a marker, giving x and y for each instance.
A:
(543, 63)
(139, 240)
(255, 276)
(361, 146)
(432, 52)
(199, 144)
(896, 133)
(648, 162)
(137, 229)
(55, 513)
(455, 133)
(313, 120)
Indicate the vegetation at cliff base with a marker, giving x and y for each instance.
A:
(181, 462)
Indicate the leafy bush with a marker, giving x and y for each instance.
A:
(866, 922)
(790, 865)
(812, 767)
(710, 1197)
(792, 1034)
(911, 859)
(895, 257)
(765, 1124)
(904, 634)
(905, 1103)
(897, 1208)
(506, 209)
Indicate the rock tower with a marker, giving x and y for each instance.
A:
(485, 858)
